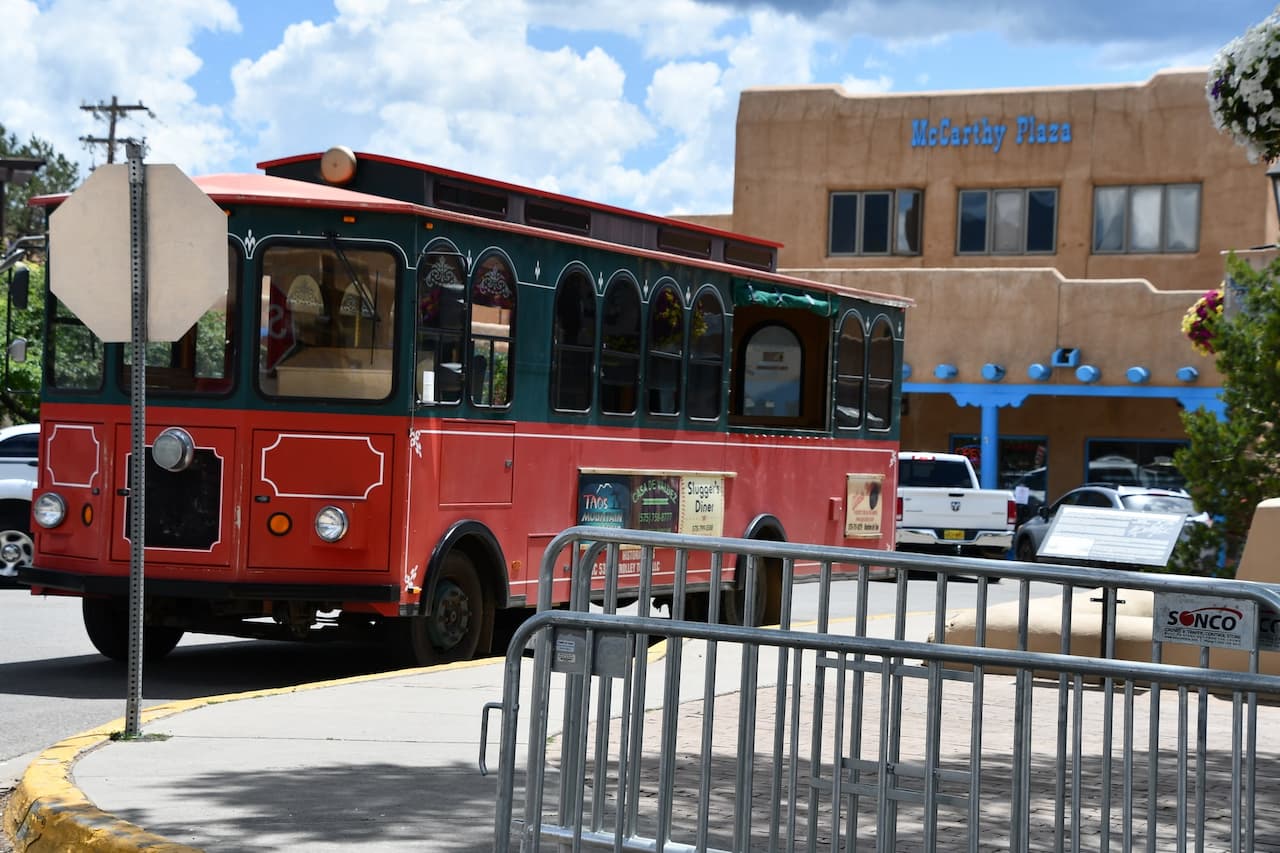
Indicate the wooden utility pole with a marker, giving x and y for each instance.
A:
(113, 111)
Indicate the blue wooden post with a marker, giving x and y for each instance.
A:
(990, 445)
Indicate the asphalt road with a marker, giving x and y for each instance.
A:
(53, 683)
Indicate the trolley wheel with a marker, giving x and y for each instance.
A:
(106, 621)
(450, 630)
(16, 546)
(1026, 552)
(767, 607)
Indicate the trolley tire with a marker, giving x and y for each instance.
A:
(15, 529)
(768, 598)
(106, 621)
(451, 629)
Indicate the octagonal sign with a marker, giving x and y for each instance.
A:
(186, 256)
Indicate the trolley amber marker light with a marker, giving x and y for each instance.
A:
(86, 514)
(348, 219)
(279, 524)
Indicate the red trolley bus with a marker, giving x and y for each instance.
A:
(418, 377)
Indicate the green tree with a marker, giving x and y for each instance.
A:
(58, 175)
(1232, 463)
(20, 390)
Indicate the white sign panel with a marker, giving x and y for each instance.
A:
(89, 241)
(1268, 630)
(1112, 536)
(1201, 620)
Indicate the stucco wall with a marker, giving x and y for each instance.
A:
(1017, 317)
(797, 144)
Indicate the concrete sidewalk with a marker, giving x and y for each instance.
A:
(382, 763)
(385, 762)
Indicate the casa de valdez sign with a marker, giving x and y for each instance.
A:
(984, 133)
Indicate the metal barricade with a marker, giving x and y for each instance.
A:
(855, 732)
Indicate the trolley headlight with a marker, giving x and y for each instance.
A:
(331, 524)
(173, 449)
(49, 510)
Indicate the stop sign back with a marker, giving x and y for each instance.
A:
(89, 245)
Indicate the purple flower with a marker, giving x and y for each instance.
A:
(1217, 87)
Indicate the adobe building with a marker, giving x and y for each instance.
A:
(1052, 239)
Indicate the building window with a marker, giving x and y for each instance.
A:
(1146, 219)
(1129, 462)
(1007, 222)
(877, 222)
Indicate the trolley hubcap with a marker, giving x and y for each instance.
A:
(451, 618)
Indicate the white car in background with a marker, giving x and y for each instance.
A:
(18, 450)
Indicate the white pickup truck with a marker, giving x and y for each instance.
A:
(942, 509)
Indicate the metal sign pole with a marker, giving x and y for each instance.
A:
(138, 402)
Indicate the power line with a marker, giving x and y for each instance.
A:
(112, 112)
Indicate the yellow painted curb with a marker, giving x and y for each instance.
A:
(47, 813)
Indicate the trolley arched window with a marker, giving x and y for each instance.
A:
(666, 351)
(851, 372)
(573, 343)
(772, 372)
(704, 396)
(493, 310)
(880, 376)
(441, 314)
(620, 347)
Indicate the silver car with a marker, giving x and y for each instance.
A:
(1029, 536)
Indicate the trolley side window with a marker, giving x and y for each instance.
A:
(851, 372)
(441, 312)
(620, 348)
(666, 351)
(705, 393)
(493, 308)
(327, 322)
(573, 343)
(201, 361)
(75, 353)
(880, 376)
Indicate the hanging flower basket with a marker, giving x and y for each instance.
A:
(1200, 323)
(1244, 89)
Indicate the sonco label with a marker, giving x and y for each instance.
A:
(1205, 621)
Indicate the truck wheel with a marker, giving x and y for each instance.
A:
(451, 629)
(16, 546)
(106, 621)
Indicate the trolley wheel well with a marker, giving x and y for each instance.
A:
(481, 547)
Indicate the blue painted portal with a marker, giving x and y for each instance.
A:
(991, 398)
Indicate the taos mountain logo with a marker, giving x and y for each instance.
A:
(1206, 618)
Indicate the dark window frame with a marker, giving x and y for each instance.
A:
(892, 230)
(989, 223)
(560, 348)
(706, 362)
(621, 282)
(1126, 218)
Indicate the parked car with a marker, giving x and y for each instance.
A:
(18, 449)
(1030, 535)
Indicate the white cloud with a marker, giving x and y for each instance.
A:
(63, 54)
(866, 86)
(457, 85)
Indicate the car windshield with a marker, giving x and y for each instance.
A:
(1158, 503)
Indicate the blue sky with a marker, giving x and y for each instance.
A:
(627, 103)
